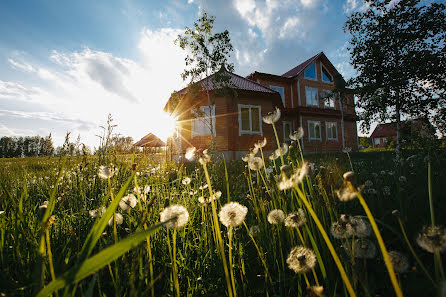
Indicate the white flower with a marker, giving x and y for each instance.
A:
(205, 200)
(128, 201)
(203, 187)
(106, 172)
(254, 231)
(301, 259)
(118, 218)
(272, 117)
(232, 214)
(402, 179)
(290, 178)
(186, 181)
(283, 150)
(296, 135)
(204, 157)
(44, 205)
(2, 212)
(276, 216)
(346, 193)
(255, 163)
(146, 189)
(175, 216)
(368, 183)
(260, 144)
(190, 153)
(97, 212)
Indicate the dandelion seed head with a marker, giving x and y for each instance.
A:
(364, 249)
(232, 214)
(298, 134)
(272, 117)
(190, 153)
(128, 201)
(402, 179)
(118, 218)
(204, 158)
(276, 216)
(254, 231)
(283, 150)
(347, 150)
(348, 226)
(186, 181)
(349, 176)
(301, 259)
(97, 212)
(175, 216)
(255, 163)
(290, 178)
(399, 261)
(260, 144)
(346, 193)
(106, 172)
(368, 183)
(296, 219)
(432, 239)
(315, 291)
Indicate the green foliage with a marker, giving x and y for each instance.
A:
(398, 48)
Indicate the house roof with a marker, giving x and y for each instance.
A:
(301, 67)
(384, 130)
(150, 140)
(255, 74)
(235, 82)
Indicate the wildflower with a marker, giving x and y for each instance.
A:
(296, 135)
(296, 219)
(276, 216)
(203, 187)
(348, 226)
(117, 217)
(128, 201)
(347, 150)
(186, 181)
(2, 212)
(301, 259)
(232, 214)
(364, 248)
(282, 150)
(97, 212)
(260, 144)
(432, 239)
(254, 231)
(272, 117)
(273, 156)
(372, 191)
(402, 179)
(106, 172)
(290, 178)
(346, 193)
(175, 216)
(368, 183)
(386, 190)
(204, 158)
(399, 261)
(269, 171)
(349, 176)
(205, 200)
(255, 163)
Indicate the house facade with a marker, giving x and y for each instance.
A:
(234, 117)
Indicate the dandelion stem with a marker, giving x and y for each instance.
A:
(381, 244)
(174, 264)
(278, 144)
(230, 261)
(50, 255)
(335, 256)
(413, 252)
(429, 187)
(259, 252)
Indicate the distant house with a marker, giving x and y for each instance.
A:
(383, 134)
(237, 115)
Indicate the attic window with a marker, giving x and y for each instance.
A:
(311, 72)
(326, 76)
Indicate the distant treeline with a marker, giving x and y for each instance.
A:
(28, 146)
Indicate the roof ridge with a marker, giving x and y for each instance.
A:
(302, 66)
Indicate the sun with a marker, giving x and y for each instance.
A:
(166, 126)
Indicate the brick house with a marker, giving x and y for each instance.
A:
(383, 134)
(237, 115)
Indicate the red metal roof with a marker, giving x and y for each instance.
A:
(301, 67)
(384, 130)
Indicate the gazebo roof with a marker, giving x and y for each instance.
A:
(150, 140)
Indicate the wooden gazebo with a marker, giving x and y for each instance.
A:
(151, 143)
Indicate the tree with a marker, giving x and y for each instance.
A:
(398, 49)
(209, 52)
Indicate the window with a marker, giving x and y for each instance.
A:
(281, 92)
(314, 130)
(201, 124)
(249, 119)
(332, 131)
(384, 140)
(311, 95)
(329, 101)
(311, 72)
(326, 76)
(376, 141)
(287, 130)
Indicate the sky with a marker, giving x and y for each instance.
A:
(66, 65)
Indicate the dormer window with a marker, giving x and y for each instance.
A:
(310, 73)
(280, 90)
(326, 76)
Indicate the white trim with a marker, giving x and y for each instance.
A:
(306, 97)
(322, 78)
(298, 93)
(249, 132)
(326, 131)
(211, 115)
(286, 136)
(320, 130)
(315, 71)
(283, 91)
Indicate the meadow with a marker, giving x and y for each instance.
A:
(214, 228)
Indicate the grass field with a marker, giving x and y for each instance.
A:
(62, 247)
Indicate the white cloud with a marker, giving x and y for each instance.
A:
(290, 28)
(21, 65)
(351, 6)
(80, 88)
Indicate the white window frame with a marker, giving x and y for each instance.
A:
(326, 130)
(306, 97)
(331, 99)
(249, 132)
(315, 71)
(377, 141)
(283, 91)
(320, 132)
(286, 134)
(322, 77)
(211, 114)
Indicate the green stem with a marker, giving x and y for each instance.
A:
(278, 144)
(230, 261)
(429, 185)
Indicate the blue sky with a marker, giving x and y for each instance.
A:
(64, 65)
